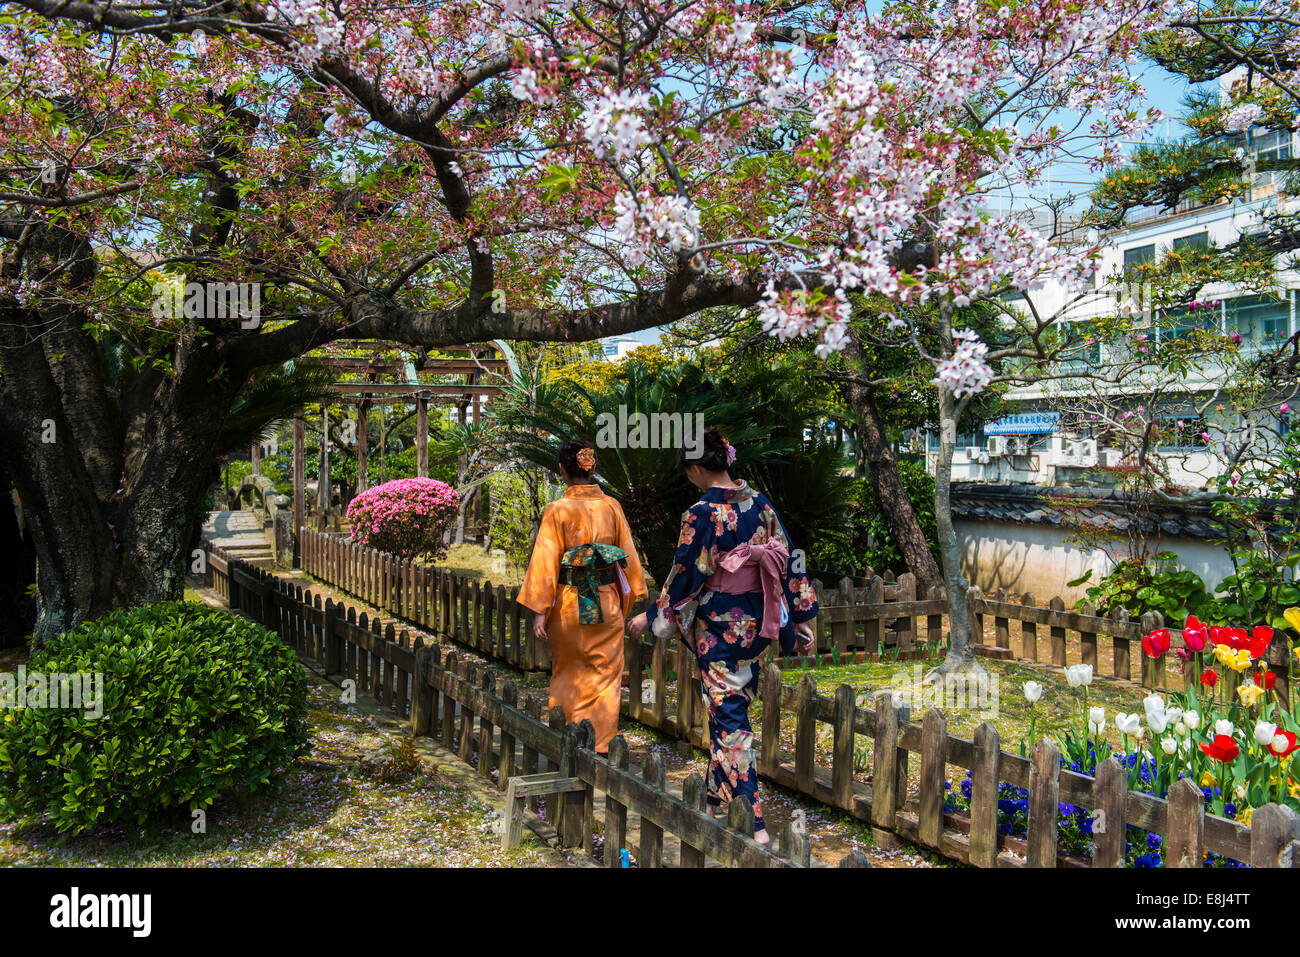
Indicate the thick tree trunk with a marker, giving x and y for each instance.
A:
(110, 488)
(882, 466)
(17, 573)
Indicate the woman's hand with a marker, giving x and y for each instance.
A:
(806, 640)
(539, 627)
(638, 625)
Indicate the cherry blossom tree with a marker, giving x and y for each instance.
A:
(434, 173)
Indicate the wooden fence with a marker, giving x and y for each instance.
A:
(898, 747)
(480, 715)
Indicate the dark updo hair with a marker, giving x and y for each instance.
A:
(712, 458)
(568, 459)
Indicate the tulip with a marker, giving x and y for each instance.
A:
(1267, 680)
(1033, 691)
(1194, 634)
(1168, 745)
(1283, 743)
(1191, 719)
(1208, 780)
(1264, 733)
(1292, 616)
(1152, 704)
(1158, 721)
(1181, 730)
(1224, 727)
(1096, 720)
(1250, 693)
(1078, 675)
(1223, 749)
(1127, 723)
(1157, 643)
(1209, 677)
(1173, 716)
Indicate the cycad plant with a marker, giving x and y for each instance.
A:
(800, 473)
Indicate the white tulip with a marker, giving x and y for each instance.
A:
(1192, 720)
(1033, 691)
(1224, 726)
(1153, 704)
(1173, 715)
(1264, 733)
(1127, 723)
(1181, 730)
(1078, 675)
(1168, 745)
(1158, 721)
(1281, 743)
(1239, 792)
(1096, 720)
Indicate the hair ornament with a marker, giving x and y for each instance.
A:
(586, 459)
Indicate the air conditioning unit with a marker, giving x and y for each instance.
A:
(1111, 458)
(982, 457)
(1077, 453)
(1017, 445)
(973, 452)
(996, 444)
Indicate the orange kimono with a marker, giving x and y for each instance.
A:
(586, 660)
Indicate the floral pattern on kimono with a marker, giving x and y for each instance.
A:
(725, 630)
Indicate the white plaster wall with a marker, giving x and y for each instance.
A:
(1037, 559)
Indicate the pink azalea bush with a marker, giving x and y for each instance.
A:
(407, 517)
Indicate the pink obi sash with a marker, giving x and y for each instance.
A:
(749, 568)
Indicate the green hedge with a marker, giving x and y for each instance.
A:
(197, 702)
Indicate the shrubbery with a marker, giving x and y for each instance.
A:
(197, 701)
(407, 517)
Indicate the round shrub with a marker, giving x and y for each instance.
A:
(407, 517)
(196, 701)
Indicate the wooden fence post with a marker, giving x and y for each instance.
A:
(333, 648)
(1151, 620)
(1057, 605)
(884, 798)
(1044, 801)
(422, 699)
(1088, 639)
(842, 753)
(652, 835)
(1185, 831)
(466, 672)
(1109, 828)
(984, 797)
(1272, 828)
(805, 733)
(934, 733)
(449, 666)
(567, 824)
(693, 797)
(616, 811)
(488, 685)
(770, 747)
(509, 697)
(794, 843)
(1028, 631)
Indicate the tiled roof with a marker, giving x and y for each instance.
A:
(1063, 507)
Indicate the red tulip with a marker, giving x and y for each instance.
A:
(1194, 634)
(1210, 678)
(1156, 643)
(1223, 749)
(1266, 680)
(1259, 641)
(1290, 743)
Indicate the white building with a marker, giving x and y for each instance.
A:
(1039, 445)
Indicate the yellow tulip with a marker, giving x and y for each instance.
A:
(1293, 788)
(1249, 693)
(1238, 660)
(1208, 780)
(1292, 616)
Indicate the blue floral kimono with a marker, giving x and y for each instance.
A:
(727, 625)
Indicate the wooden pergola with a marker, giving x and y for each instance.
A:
(468, 363)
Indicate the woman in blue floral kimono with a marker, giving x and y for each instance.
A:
(734, 557)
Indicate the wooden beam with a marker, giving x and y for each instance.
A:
(299, 475)
(363, 457)
(422, 437)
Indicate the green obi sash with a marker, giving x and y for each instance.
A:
(587, 567)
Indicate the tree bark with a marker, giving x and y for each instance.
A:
(882, 465)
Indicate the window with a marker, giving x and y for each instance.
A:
(1260, 320)
(1181, 432)
(1139, 254)
(610, 348)
(1082, 344)
(1180, 322)
(1199, 240)
(1272, 146)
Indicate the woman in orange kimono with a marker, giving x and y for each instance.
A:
(582, 580)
